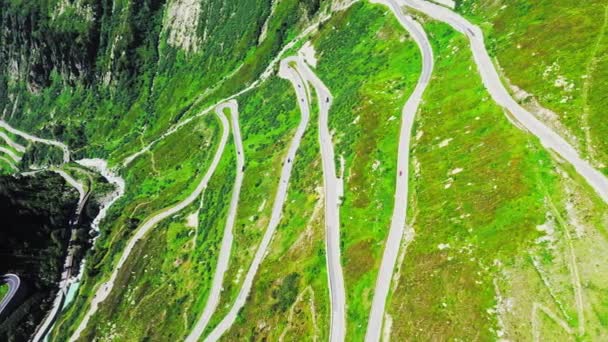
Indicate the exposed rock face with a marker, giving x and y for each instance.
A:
(181, 21)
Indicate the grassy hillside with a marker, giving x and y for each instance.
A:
(134, 84)
(556, 52)
(293, 273)
(365, 117)
(285, 301)
(129, 88)
(272, 106)
(34, 240)
(158, 179)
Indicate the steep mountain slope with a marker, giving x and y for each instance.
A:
(121, 94)
(264, 163)
(504, 209)
(127, 79)
(553, 54)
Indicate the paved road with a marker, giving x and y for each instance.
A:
(11, 143)
(83, 195)
(26, 136)
(100, 165)
(333, 191)
(396, 232)
(226, 247)
(45, 326)
(104, 289)
(288, 73)
(263, 77)
(9, 163)
(43, 329)
(501, 96)
(10, 153)
(13, 282)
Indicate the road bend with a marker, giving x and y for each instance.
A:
(227, 239)
(13, 281)
(104, 289)
(397, 228)
(333, 188)
(285, 71)
(501, 96)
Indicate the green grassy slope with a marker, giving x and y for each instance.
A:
(371, 66)
(156, 180)
(509, 242)
(5, 168)
(351, 37)
(293, 274)
(471, 210)
(169, 270)
(152, 86)
(483, 191)
(268, 118)
(556, 51)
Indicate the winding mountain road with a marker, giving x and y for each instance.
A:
(227, 239)
(13, 281)
(11, 143)
(71, 280)
(104, 289)
(82, 194)
(333, 191)
(9, 163)
(26, 136)
(501, 96)
(285, 71)
(263, 77)
(10, 153)
(396, 232)
(45, 326)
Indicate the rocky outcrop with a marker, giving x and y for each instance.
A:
(181, 22)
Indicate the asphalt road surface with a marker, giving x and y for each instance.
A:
(290, 74)
(10, 163)
(333, 191)
(26, 136)
(501, 96)
(396, 232)
(11, 154)
(226, 246)
(13, 282)
(11, 143)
